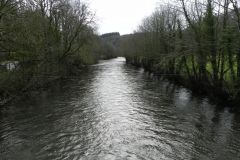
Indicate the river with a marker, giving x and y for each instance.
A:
(116, 111)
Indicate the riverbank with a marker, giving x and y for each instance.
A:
(36, 87)
(220, 96)
(17, 86)
(19, 83)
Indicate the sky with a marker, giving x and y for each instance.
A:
(121, 15)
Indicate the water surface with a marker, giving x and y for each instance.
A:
(115, 111)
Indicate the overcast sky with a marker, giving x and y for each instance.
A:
(121, 15)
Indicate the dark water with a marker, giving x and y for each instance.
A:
(115, 111)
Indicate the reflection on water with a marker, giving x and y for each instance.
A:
(115, 111)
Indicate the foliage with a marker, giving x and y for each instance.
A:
(49, 38)
(193, 41)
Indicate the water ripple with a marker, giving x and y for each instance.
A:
(115, 111)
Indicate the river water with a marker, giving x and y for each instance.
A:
(115, 111)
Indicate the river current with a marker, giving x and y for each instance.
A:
(116, 111)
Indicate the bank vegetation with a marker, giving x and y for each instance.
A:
(194, 42)
(44, 40)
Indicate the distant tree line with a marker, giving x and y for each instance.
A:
(196, 42)
(110, 45)
(46, 40)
